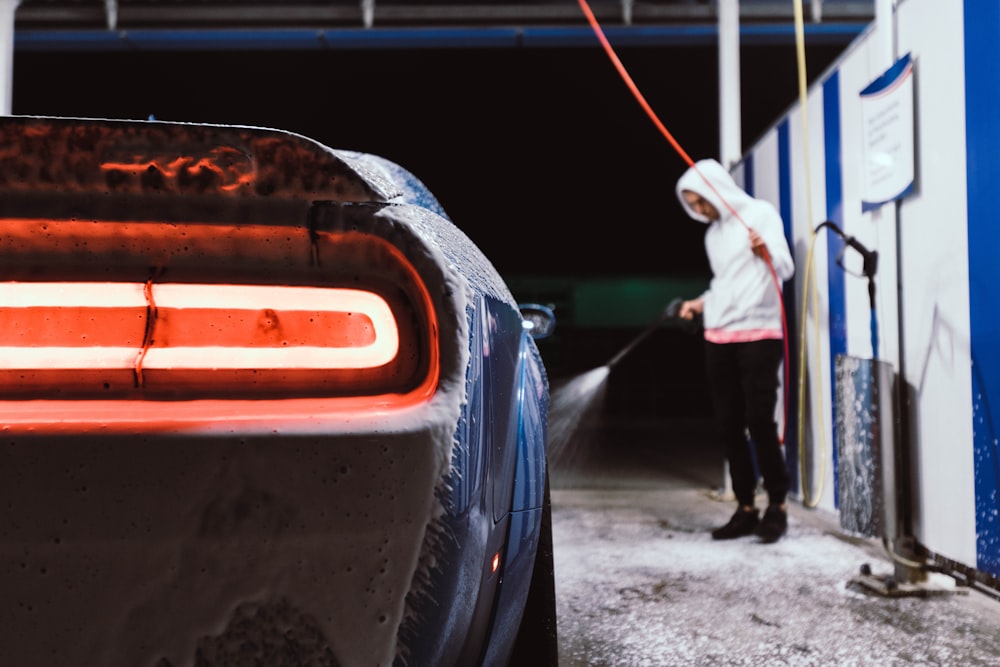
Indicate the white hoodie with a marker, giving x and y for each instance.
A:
(743, 302)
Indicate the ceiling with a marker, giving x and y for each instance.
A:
(215, 14)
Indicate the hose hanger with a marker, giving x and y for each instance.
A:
(869, 257)
(869, 266)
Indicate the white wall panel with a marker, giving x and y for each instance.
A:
(817, 446)
(875, 230)
(935, 272)
(765, 164)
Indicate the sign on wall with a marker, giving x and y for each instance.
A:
(887, 136)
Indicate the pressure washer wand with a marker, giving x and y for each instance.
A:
(672, 310)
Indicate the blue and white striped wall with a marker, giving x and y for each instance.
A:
(938, 281)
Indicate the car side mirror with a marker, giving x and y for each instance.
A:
(538, 320)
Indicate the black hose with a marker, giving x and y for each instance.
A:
(672, 311)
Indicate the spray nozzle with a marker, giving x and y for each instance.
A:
(673, 312)
(673, 309)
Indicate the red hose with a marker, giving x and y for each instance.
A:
(631, 84)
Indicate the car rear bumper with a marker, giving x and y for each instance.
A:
(124, 550)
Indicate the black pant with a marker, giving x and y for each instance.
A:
(743, 381)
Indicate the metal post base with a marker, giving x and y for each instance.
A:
(891, 586)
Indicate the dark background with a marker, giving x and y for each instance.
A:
(542, 156)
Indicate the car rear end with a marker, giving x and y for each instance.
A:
(231, 370)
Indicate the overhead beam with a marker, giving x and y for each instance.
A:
(417, 38)
(386, 13)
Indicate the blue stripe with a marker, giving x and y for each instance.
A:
(785, 175)
(834, 245)
(982, 81)
(415, 38)
(888, 79)
(785, 209)
(748, 177)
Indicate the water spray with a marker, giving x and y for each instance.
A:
(574, 400)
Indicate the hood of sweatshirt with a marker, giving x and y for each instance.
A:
(711, 182)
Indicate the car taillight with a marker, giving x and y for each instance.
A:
(114, 338)
(360, 325)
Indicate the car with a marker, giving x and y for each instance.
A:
(262, 403)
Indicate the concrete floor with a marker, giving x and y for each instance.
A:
(639, 580)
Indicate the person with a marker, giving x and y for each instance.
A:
(741, 313)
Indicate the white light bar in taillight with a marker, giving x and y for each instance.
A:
(91, 325)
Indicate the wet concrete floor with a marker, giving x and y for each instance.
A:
(640, 582)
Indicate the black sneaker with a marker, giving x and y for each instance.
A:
(743, 522)
(773, 525)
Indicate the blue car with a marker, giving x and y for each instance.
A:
(262, 403)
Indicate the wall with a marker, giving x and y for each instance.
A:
(928, 324)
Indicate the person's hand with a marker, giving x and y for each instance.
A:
(757, 245)
(691, 308)
(673, 309)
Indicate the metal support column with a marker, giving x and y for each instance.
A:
(7, 10)
(730, 111)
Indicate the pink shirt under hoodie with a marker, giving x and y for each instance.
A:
(742, 302)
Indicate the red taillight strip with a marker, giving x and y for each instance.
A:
(352, 351)
(87, 398)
